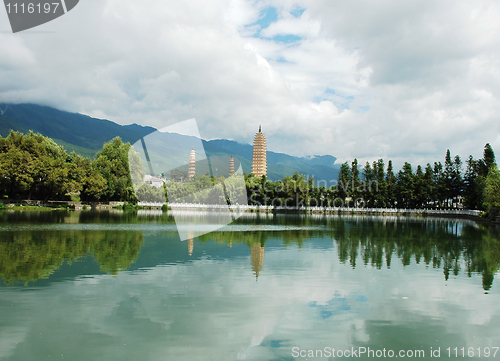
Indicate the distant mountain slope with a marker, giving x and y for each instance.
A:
(86, 135)
(72, 128)
(278, 164)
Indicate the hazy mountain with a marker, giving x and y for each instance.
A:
(86, 135)
(278, 164)
(78, 132)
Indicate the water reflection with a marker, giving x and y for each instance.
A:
(440, 243)
(324, 282)
(33, 255)
(454, 246)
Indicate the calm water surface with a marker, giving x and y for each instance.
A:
(122, 286)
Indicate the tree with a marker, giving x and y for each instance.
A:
(456, 178)
(429, 185)
(355, 180)
(440, 183)
(421, 190)
(112, 164)
(482, 168)
(471, 188)
(488, 160)
(344, 181)
(447, 175)
(368, 178)
(381, 186)
(492, 188)
(178, 176)
(390, 180)
(405, 187)
(35, 167)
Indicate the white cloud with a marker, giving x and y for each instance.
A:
(367, 79)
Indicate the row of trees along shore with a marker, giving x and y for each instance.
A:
(374, 185)
(35, 167)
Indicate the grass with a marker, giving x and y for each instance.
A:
(30, 208)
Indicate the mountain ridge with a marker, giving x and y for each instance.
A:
(86, 135)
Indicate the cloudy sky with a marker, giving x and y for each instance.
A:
(359, 78)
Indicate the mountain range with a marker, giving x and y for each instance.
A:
(86, 135)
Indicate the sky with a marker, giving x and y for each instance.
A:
(360, 78)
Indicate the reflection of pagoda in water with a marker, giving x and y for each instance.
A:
(257, 258)
(190, 242)
(259, 160)
(192, 164)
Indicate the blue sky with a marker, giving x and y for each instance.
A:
(268, 16)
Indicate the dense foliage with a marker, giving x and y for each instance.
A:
(374, 185)
(35, 167)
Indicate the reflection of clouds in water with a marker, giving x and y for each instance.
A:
(10, 337)
(340, 305)
(216, 310)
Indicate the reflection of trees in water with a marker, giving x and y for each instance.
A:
(96, 217)
(255, 240)
(445, 244)
(438, 243)
(32, 255)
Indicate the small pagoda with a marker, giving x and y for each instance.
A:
(192, 164)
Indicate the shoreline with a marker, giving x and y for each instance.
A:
(31, 206)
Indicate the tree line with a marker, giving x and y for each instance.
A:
(375, 185)
(35, 167)
(438, 185)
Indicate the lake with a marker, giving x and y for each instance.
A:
(123, 286)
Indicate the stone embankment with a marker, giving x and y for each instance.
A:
(315, 210)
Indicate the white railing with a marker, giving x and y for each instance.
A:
(179, 206)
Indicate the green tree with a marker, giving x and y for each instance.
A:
(440, 183)
(344, 184)
(390, 180)
(457, 182)
(35, 167)
(380, 188)
(368, 177)
(482, 168)
(405, 187)
(429, 185)
(447, 186)
(471, 188)
(355, 180)
(492, 188)
(112, 164)
(421, 189)
(488, 160)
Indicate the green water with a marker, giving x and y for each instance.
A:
(115, 286)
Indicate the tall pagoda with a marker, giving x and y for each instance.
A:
(259, 161)
(192, 164)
